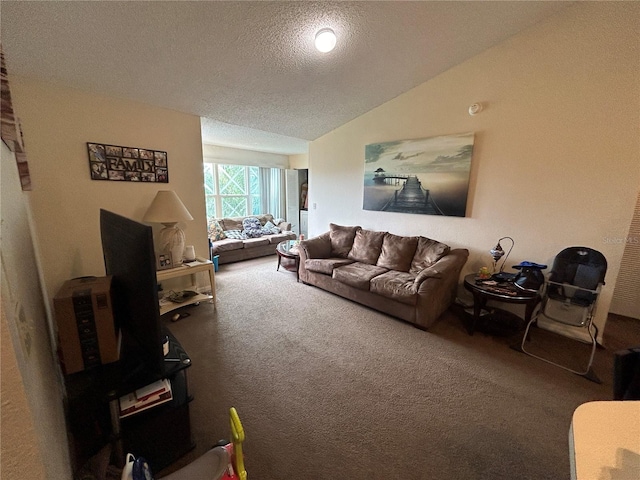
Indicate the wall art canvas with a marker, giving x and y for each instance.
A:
(428, 176)
(127, 164)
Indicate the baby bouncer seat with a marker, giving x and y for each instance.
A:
(569, 298)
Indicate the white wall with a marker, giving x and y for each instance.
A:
(556, 159)
(57, 123)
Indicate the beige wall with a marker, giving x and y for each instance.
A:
(299, 161)
(33, 433)
(65, 204)
(20, 454)
(556, 160)
(57, 123)
(239, 156)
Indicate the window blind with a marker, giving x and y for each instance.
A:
(626, 296)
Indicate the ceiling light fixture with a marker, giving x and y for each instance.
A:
(475, 109)
(325, 40)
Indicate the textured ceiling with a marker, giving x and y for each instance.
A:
(250, 68)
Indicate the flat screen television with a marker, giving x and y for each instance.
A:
(129, 257)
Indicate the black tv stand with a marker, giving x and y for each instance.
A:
(161, 434)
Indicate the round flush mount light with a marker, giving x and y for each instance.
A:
(325, 40)
(475, 109)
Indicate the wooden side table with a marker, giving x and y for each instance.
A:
(201, 266)
(289, 250)
(504, 292)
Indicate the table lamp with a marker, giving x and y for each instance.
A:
(168, 209)
(497, 253)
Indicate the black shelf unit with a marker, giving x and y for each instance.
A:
(161, 434)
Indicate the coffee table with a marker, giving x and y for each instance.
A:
(503, 292)
(289, 250)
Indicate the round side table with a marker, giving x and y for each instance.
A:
(503, 292)
(289, 250)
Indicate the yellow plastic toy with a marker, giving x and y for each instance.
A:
(484, 273)
(237, 437)
(224, 462)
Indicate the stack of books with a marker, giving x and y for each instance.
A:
(144, 398)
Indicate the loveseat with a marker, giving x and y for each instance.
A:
(411, 278)
(240, 238)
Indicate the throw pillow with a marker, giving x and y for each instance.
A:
(397, 252)
(366, 246)
(428, 252)
(269, 228)
(252, 227)
(215, 230)
(267, 217)
(341, 239)
(235, 234)
(231, 223)
(251, 222)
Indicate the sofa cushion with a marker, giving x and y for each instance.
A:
(235, 234)
(341, 239)
(399, 286)
(397, 252)
(216, 231)
(231, 223)
(325, 265)
(366, 246)
(227, 245)
(267, 217)
(357, 275)
(256, 242)
(428, 252)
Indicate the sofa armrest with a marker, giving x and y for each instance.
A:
(448, 266)
(429, 272)
(438, 286)
(317, 247)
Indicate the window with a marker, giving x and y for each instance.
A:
(238, 190)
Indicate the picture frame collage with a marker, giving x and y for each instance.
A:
(127, 164)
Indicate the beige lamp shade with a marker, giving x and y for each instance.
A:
(168, 209)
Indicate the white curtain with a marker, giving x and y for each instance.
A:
(265, 189)
(272, 191)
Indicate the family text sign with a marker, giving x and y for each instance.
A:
(127, 164)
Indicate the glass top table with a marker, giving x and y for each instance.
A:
(289, 251)
(503, 292)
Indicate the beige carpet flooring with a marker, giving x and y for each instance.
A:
(328, 389)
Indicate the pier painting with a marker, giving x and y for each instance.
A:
(428, 176)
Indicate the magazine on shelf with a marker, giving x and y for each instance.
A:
(146, 397)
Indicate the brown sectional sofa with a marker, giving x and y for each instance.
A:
(237, 249)
(411, 278)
